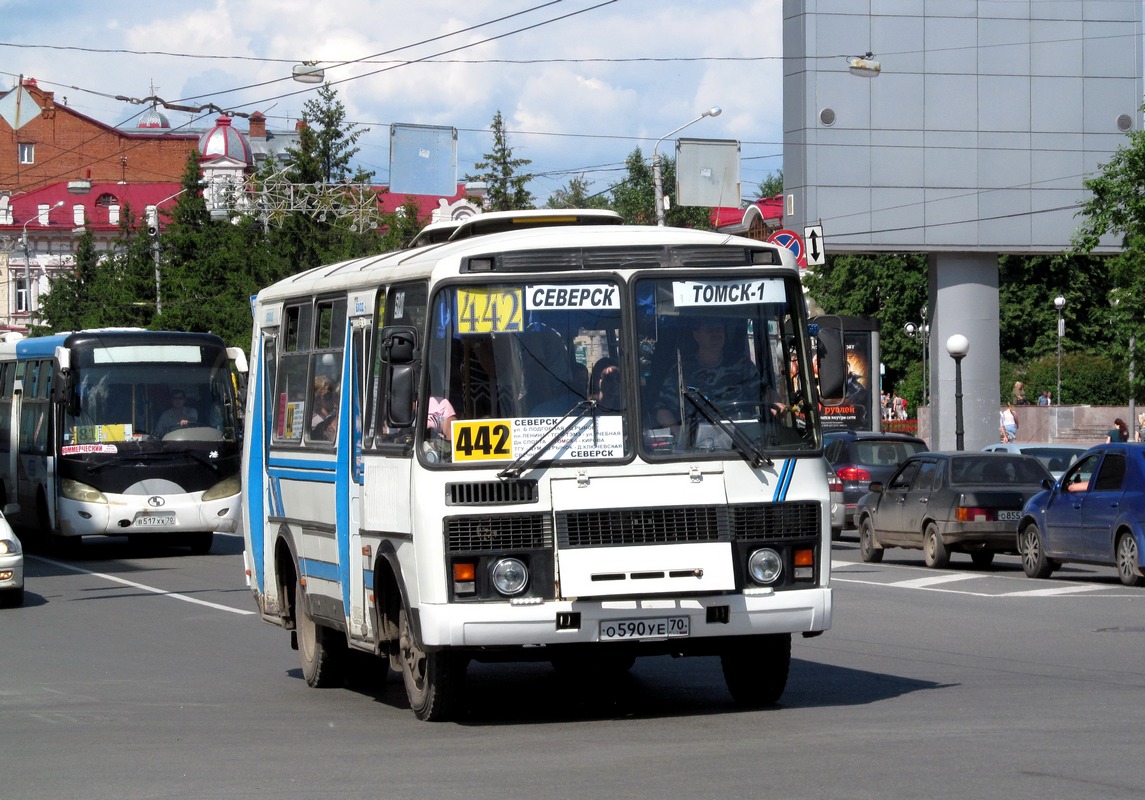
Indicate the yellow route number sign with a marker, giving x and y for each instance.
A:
(482, 440)
(489, 310)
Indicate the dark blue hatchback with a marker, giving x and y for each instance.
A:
(1092, 515)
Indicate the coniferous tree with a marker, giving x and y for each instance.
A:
(505, 185)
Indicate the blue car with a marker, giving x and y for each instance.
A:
(1092, 515)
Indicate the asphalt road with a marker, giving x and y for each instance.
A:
(133, 674)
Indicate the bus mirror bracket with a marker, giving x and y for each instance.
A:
(400, 354)
(827, 339)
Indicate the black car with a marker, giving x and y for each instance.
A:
(859, 457)
(950, 502)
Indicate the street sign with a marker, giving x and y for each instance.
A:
(792, 241)
(813, 236)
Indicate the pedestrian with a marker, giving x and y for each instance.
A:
(1008, 423)
(1118, 433)
(1044, 399)
(1018, 394)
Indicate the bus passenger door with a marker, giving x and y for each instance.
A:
(360, 564)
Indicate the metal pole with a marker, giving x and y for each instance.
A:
(1061, 325)
(958, 430)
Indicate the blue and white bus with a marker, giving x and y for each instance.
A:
(506, 444)
(122, 432)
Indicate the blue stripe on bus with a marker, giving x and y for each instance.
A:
(345, 458)
(253, 480)
(311, 476)
(322, 570)
(299, 463)
(783, 483)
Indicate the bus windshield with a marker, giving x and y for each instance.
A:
(512, 367)
(723, 367)
(123, 401)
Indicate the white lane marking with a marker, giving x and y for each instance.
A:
(1073, 589)
(935, 580)
(144, 587)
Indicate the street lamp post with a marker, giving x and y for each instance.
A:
(922, 333)
(958, 346)
(1059, 304)
(657, 182)
(153, 229)
(28, 258)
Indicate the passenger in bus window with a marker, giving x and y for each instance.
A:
(725, 379)
(179, 415)
(605, 385)
(440, 417)
(325, 406)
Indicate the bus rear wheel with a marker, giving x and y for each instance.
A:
(755, 669)
(321, 650)
(434, 680)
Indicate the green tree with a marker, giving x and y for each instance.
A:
(634, 197)
(575, 195)
(500, 171)
(327, 143)
(890, 288)
(771, 185)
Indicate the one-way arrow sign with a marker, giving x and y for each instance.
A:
(813, 236)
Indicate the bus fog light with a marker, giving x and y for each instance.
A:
(510, 576)
(74, 490)
(765, 566)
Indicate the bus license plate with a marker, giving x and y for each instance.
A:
(651, 628)
(1009, 516)
(162, 520)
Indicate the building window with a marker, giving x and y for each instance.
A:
(21, 296)
(27, 153)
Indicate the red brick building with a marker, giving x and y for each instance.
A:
(44, 143)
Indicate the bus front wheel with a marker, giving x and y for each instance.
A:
(755, 669)
(434, 680)
(321, 650)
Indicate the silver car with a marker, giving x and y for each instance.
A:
(1057, 458)
(11, 567)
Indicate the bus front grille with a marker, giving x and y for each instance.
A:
(490, 493)
(493, 533)
(637, 526)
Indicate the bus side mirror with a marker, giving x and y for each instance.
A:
(399, 353)
(832, 353)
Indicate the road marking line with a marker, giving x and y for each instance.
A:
(144, 587)
(1057, 590)
(935, 580)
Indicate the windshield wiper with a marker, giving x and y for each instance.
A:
(711, 412)
(538, 448)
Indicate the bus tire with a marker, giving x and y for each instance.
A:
(434, 680)
(321, 650)
(755, 669)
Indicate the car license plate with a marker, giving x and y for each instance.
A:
(1009, 516)
(161, 520)
(651, 628)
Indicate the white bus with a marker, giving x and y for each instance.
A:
(120, 432)
(528, 453)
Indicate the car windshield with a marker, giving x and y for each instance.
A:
(996, 470)
(1055, 459)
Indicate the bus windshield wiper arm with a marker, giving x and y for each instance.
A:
(711, 412)
(537, 449)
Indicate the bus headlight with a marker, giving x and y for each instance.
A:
(765, 566)
(510, 576)
(9, 547)
(227, 488)
(74, 490)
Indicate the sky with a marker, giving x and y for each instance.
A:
(580, 84)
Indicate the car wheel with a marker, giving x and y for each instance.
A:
(982, 558)
(755, 669)
(868, 551)
(1034, 561)
(12, 598)
(1127, 560)
(933, 549)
